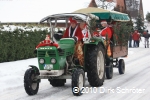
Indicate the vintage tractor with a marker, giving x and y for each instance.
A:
(59, 65)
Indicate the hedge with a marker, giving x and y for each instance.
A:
(19, 44)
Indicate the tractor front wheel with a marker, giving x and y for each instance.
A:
(78, 81)
(31, 84)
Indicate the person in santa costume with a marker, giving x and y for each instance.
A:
(107, 33)
(75, 32)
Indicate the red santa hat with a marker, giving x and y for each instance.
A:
(103, 21)
(72, 20)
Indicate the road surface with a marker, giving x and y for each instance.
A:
(133, 85)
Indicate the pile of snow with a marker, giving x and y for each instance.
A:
(24, 28)
(12, 73)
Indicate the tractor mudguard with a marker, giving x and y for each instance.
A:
(96, 41)
(35, 69)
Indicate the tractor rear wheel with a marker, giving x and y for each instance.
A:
(95, 64)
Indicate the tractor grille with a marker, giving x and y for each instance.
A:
(41, 53)
(50, 53)
(62, 53)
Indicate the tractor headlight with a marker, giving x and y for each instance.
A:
(41, 61)
(53, 60)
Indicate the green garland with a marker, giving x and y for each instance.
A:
(121, 33)
(92, 26)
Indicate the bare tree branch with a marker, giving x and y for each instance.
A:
(104, 4)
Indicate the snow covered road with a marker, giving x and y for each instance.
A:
(133, 85)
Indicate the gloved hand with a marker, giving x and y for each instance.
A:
(75, 39)
(59, 49)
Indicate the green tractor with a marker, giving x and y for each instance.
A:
(59, 65)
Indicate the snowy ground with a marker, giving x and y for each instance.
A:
(136, 78)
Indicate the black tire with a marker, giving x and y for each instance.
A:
(57, 82)
(121, 66)
(31, 85)
(95, 77)
(78, 81)
(109, 71)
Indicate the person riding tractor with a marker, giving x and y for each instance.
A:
(75, 32)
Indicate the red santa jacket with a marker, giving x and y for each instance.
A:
(106, 31)
(76, 33)
(135, 36)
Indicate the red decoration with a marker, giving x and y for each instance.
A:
(72, 20)
(47, 42)
(106, 31)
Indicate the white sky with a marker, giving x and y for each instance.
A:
(35, 10)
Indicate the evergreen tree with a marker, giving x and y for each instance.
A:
(148, 17)
(139, 24)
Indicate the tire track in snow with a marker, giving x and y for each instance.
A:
(20, 94)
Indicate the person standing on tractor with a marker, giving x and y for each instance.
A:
(75, 32)
(146, 36)
(106, 32)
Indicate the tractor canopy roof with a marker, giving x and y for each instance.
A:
(66, 16)
(104, 14)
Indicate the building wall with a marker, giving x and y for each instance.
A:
(92, 4)
(121, 4)
(134, 7)
(141, 9)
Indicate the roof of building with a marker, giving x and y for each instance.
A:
(92, 4)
